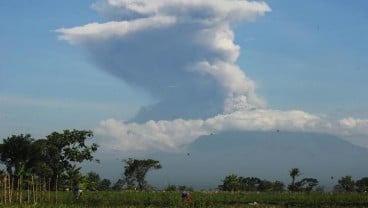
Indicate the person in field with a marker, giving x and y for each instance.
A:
(185, 196)
(77, 191)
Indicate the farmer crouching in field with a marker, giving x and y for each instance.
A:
(185, 196)
(77, 191)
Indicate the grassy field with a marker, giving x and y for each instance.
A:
(173, 199)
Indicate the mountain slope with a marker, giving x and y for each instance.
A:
(268, 155)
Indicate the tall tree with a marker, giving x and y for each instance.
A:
(230, 183)
(136, 171)
(61, 150)
(16, 153)
(294, 173)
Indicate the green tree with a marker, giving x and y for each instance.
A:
(362, 184)
(38, 165)
(136, 171)
(294, 173)
(93, 179)
(265, 185)
(278, 186)
(61, 150)
(71, 176)
(249, 183)
(16, 154)
(230, 183)
(104, 185)
(347, 183)
(118, 185)
(306, 184)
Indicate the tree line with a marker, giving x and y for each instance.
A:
(53, 162)
(53, 157)
(234, 182)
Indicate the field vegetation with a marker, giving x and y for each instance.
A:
(45, 172)
(199, 199)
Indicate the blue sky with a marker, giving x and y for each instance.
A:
(46, 84)
(308, 56)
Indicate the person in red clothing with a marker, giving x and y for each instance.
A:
(185, 196)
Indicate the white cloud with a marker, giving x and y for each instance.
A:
(173, 135)
(104, 31)
(152, 135)
(203, 11)
(240, 89)
(351, 126)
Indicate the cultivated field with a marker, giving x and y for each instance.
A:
(199, 199)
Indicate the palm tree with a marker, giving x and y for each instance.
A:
(294, 172)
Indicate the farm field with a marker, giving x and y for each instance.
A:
(199, 199)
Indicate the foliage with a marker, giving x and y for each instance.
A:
(362, 184)
(306, 184)
(250, 183)
(53, 157)
(60, 150)
(230, 183)
(136, 171)
(347, 183)
(233, 182)
(104, 185)
(118, 185)
(16, 153)
(93, 179)
(278, 186)
(171, 187)
(199, 199)
(294, 173)
(71, 176)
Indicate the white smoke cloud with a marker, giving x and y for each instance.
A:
(183, 53)
(187, 44)
(172, 135)
(235, 84)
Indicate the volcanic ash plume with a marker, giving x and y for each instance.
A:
(181, 52)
